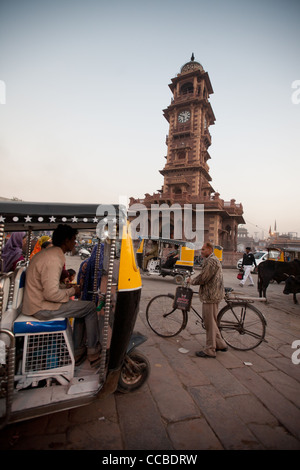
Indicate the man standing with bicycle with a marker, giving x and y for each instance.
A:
(211, 293)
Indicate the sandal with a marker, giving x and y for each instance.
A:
(80, 359)
(203, 354)
(95, 362)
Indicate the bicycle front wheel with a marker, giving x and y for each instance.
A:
(162, 318)
(242, 326)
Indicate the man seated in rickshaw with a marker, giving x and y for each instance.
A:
(172, 257)
(45, 299)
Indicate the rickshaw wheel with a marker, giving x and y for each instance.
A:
(135, 371)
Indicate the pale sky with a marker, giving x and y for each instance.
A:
(83, 84)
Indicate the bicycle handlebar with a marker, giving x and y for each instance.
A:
(236, 296)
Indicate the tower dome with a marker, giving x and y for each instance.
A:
(192, 65)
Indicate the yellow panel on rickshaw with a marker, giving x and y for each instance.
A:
(186, 257)
(218, 252)
(129, 273)
(141, 247)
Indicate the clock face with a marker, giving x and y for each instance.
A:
(184, 116)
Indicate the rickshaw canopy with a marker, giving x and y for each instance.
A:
(20, 215)
(170, 241)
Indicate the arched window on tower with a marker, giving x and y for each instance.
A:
(181, 155)
(186, 88)
(177, 190)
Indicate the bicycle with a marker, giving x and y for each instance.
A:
(242, 326)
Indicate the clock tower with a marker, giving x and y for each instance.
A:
(186, 171)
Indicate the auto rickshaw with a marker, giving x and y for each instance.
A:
(37, 367)
(178, 263)
(218, 252)
(275, 254)
(283, 253)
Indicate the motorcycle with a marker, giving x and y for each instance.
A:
(84, 253)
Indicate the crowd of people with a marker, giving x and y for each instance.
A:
(15, 248)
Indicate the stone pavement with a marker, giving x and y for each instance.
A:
(190, 403)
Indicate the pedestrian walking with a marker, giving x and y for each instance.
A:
(247, 265)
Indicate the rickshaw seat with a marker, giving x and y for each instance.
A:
(47, 348)
(9, 314)
(25, 324)
(30, 324)
(13, 300)
(19, 282)
(48, 345)
(5, 282)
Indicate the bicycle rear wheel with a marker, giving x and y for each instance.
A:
(242, 326)
(162, 318)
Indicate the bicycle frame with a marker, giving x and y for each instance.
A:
(241, 324)
(230, 304)
(198, 315)
(230, 301)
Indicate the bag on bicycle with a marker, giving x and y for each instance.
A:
(183, 298)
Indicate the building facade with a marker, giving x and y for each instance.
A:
(186, 172)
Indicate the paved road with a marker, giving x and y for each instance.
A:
(190, 403)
